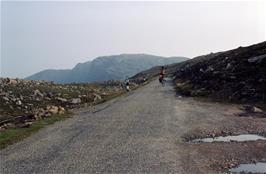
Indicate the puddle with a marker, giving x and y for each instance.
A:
(238, 138)
(250, 168)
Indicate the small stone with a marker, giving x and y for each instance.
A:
(9, 125)
(6, 99)
(38, 93)
(47, 115)
(47, 98)
(232, 77)
(228, 66)
(36, 117)
(19, 103)
(23, 125)
(210, 68)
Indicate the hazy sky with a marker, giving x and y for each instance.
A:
(41, 35)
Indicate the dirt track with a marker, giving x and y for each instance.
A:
(141, 132)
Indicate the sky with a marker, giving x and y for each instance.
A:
(57, 35)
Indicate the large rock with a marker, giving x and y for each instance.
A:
(12, 81)
(257, 59)
(6, 99)
(52, 109)
(38, 93)
(19, 103)
(254, 109)
(61, 110)
(97, 97)
(75, 101)
(61, 99)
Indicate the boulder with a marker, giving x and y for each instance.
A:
(61, 110)
(257, 59)
(228, 66)
(19, 103)
(39, 112)
(38, 93)
(97, 97)
(254, 109)
(52, 109)
(13, 81)
(6, 99)
(61, 99)
(75, 101)
(258, 110)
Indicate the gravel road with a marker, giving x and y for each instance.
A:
(139, 132)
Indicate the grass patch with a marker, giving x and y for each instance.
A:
(13, 135)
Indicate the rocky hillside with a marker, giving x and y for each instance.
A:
(237, 75)
(25, 101)
(116, 67)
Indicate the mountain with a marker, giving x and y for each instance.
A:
(116, 67)
(237, 75)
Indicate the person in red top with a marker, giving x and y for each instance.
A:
(161, 76)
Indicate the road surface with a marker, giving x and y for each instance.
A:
(139, 132)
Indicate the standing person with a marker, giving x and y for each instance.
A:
(161, 76)
(127, 84)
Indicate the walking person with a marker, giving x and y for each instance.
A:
(161, 75)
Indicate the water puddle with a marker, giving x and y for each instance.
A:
(250, 168)
(237, 138)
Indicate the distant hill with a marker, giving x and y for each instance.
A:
(116, 67)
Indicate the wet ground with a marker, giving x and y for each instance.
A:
(223, 156)
(236, 138)
(250, 168)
